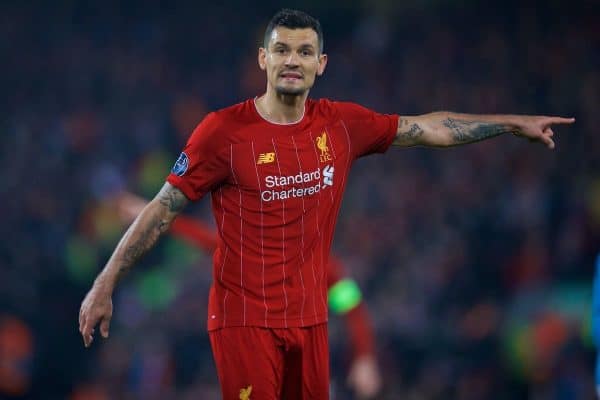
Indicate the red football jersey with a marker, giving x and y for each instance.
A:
(276, 192)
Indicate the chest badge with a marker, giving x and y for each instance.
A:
(322, 146)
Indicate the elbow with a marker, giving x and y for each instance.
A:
(438, 135)
(443, 132)
(445, 140)
(442, 137)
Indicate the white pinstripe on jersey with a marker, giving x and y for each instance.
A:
(224, 259)
(302, 239)
(241, 233)
(349, 154)
(321, 237)
(262, 236)
(330, 138)
(282, 238)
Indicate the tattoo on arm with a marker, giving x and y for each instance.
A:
(472, 131)
(174, 201)
(144, 242)
(408, 134)
(414, 132)
(172, 198)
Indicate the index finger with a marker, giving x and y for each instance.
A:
(88, 330)
(560, 120)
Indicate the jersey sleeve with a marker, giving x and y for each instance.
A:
(369, 132)
(203, 164)
(360, 329)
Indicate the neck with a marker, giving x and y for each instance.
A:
(281, 108)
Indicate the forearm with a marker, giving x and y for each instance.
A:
(139, 238)
(360, 331)
(142, 235)
(443, 129)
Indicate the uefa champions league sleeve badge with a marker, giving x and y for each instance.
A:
(181, 165)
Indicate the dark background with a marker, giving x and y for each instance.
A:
(476, 262)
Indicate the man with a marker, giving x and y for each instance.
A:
(344, 296)
(276, 168)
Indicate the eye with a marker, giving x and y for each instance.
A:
(306, 53)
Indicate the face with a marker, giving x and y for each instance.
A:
(292, 60)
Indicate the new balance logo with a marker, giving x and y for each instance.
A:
(265, 158)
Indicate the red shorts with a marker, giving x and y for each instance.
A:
(272, 363)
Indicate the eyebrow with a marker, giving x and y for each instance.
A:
(302, 46)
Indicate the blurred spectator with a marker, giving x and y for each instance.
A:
(16, 356)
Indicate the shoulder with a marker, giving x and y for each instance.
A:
(237, 113)
(323, 107)
(338, 109)
(218, 125)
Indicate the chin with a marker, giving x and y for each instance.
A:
(290, 91)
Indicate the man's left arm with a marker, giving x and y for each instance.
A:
(444, 129)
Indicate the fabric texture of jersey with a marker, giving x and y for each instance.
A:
(276, 192)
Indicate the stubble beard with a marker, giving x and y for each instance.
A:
(286, 91)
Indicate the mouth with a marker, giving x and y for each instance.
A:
(291, 76)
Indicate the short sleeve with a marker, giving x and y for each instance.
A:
(369, 132)
(203, 164)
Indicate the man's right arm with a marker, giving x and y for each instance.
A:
(444, 129)
(141, 236)
(191, 230)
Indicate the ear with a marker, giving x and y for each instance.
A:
(262, 58)
(322, 64)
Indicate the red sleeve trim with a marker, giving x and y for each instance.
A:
(184, 186)
(393, 132)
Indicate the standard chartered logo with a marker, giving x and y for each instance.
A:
(327, 176)
(278, 185)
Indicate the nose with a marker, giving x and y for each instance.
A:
(291, 60)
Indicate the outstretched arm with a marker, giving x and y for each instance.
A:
(141, 236)
(443, 129)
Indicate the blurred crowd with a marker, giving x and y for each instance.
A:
(476, 262)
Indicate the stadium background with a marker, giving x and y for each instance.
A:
(476, 262)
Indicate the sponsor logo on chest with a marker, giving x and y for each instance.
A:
(312, 182)
(283, 187)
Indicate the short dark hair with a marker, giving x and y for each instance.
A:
(293, 19)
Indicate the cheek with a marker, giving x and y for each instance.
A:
(314, 69)
(269, 69)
